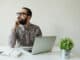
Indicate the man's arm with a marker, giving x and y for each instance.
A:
(13, 39)
(13, 35)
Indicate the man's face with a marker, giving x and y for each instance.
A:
(22, 16)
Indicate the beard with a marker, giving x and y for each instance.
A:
(23, 21)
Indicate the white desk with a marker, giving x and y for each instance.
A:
(55, 55)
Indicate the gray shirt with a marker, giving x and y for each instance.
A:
(25, 36)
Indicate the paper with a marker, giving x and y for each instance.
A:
(13, 52)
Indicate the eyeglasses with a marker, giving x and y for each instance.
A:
(21, 13)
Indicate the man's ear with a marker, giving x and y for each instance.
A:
(29, 17)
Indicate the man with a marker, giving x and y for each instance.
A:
(24, 32)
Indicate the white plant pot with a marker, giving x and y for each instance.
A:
(65, 55)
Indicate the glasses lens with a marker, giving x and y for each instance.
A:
(21, 13)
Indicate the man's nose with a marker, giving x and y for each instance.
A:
(22, 16)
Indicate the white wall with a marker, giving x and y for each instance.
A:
(55, 17)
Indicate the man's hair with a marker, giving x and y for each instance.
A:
(29, 12)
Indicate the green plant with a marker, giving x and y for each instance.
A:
(66, 44)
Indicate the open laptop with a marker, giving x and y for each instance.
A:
(41, 45)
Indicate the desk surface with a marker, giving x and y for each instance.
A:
(55, 55)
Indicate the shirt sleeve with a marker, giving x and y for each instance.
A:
(38, 32)
(12, 41)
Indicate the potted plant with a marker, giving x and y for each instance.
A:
(66, 45)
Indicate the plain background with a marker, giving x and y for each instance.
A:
(60, 18)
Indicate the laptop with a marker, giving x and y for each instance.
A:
(41, 45)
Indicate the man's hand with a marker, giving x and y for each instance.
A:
(16, 23)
